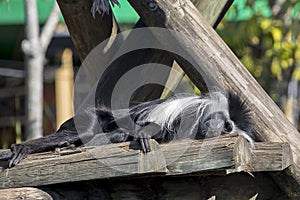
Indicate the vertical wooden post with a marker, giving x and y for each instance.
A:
(64, 89)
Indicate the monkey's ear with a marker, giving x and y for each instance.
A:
(239, 113)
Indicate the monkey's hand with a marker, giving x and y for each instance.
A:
(145, 133)
(19, 152)
(145, 143)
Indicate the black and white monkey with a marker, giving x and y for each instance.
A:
(179, 116)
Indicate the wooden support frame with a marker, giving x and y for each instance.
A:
(225, 70)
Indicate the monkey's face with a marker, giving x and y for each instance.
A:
(215, 124)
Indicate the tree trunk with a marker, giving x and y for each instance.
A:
(34, 50)
(34, 72)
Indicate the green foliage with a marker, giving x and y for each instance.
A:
(267, 41)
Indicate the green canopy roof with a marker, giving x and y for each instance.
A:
(125, 13)
(12, 11)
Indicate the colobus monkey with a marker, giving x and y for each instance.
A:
(179, 116)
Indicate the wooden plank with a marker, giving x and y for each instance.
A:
(223, 69)
(126, 160)
(24, 193)
(261, 156)
(115, 160)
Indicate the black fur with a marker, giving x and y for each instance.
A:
(240, 114)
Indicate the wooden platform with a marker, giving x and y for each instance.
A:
(223, 155)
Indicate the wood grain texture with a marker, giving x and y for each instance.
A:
(222, 69)
(226, 154)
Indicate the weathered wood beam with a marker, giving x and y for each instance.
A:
(226, 154)
(222, 67)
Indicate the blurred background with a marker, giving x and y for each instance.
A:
(263, 34)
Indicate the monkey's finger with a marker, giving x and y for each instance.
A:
(147, 144)
(15, 155)
(15, 160)
(19, 153)
(10, 164)
(141, 140)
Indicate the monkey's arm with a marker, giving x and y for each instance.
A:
(65, 136)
